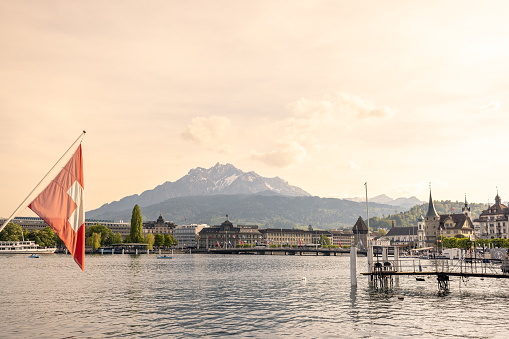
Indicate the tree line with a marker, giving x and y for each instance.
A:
(96, 236)
(99, 235)
(44, 238)
(460, 241)
(410, 217)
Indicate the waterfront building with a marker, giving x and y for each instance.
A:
(360, 233)
(188, 235)
(493, 222)
(317, 235)
(158, 227)
(36, 223)
(124, 228)
(286, 237)
(405, 236)
(227, 235)
(447, 225)
(28, 223)
(342, 238)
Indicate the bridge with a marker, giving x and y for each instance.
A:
(280, 250)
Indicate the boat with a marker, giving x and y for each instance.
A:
(164, 257)
(33, 256)
(23, 247)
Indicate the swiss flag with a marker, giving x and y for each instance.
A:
(61, 206)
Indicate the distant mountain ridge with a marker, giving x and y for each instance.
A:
(273, 210)
(404, 203)
(219, 179)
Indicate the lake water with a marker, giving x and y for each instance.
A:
(240, 296)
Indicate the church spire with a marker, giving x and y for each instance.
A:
(466, 209)
(497, 199)
(432, 212)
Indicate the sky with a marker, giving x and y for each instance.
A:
(327, 95)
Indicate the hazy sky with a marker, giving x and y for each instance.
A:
(324, 94)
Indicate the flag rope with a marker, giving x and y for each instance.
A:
(13, 215)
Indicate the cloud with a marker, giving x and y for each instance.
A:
(491, 107)
(282, 157)
(362, 108)
(318, 125)
(213, 132)
(352, 165)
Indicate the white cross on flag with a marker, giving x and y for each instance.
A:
(61, 206)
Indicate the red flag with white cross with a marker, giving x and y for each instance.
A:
(61, 206)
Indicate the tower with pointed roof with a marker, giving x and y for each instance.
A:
(466, 209)
(434, 225)
(360, 233)
(430, 225)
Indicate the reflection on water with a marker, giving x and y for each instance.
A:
(239, 296)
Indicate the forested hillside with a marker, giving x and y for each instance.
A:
(265, 211)
(409, 218)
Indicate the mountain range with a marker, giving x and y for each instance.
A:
(219, 179)
(207, 195)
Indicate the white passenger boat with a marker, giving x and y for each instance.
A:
(23, 247)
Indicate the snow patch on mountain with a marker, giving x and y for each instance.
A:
(219, 179)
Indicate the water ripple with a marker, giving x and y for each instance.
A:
(237, 296)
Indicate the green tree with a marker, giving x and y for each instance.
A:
(44, 238)
(159, 240)
(117, 238)
(382, 232)
(497, 242)
(49, 237)
(136, 225)
(105, 232)
(127, 239)
(95, 241)
(324, 240)
(11, 232)
(168, 240)
(149, 239)
(464, 243)
(450, 242)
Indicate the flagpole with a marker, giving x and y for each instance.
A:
(13, 215)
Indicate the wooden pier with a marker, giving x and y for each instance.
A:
(382, 271)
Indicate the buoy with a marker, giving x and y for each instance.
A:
(304, 278)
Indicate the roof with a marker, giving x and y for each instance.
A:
(395, 231)
(460, 220)
(432, 212)
(360, 225)
(497, 208)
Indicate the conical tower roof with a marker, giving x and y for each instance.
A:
(360, 225)
(432, 212)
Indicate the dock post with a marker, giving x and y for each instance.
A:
(122, 251)
(385, 254)
(102, 251)
(370, 257)
(396, 258)
(353, 265)
(136, 251)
